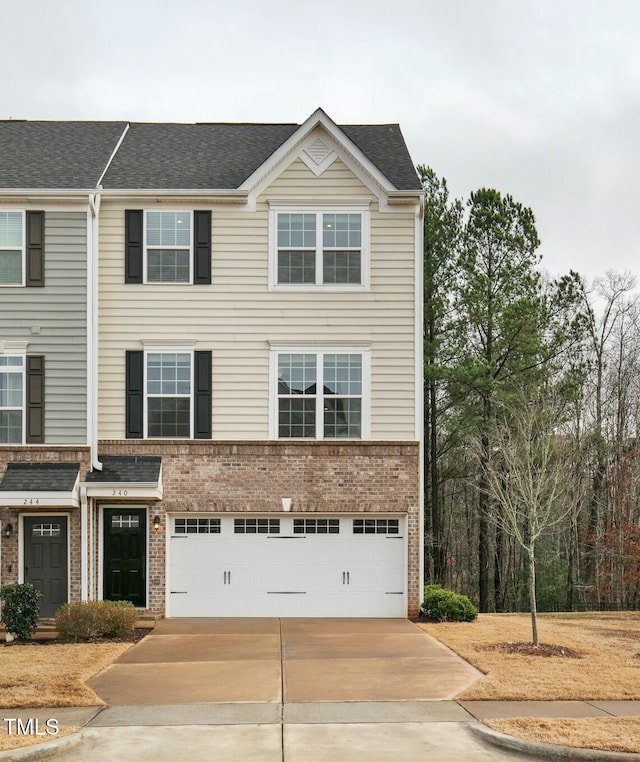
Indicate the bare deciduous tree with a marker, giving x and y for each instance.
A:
(528, 476)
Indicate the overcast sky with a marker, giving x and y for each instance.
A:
(537, 98)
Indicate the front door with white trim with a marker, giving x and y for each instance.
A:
(46, 560)
(125, 555)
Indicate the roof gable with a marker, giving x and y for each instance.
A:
(378, 151)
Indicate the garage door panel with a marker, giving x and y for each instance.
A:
(287, 566)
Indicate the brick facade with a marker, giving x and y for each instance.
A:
(232, 477)
(10, 546)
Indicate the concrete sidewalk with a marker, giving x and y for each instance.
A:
(440, 731)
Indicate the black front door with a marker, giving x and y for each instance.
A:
(45, 560)
(125, 555)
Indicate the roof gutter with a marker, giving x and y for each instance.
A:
(231, 195)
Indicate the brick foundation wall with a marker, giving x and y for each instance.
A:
(233, 477)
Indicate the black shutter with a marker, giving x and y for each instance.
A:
(35, 249)
(135, 395)
(202, 247)
(35, 399)
(133, 237)
(202, 396)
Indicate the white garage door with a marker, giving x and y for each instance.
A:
(221, 566)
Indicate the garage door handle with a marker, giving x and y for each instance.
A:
(345, 578)
(227, 578)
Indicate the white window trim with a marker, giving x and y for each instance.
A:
(320, 350)
(146, 247)
(165, 350)
(320, 209)
(22, 249)
(17, 349)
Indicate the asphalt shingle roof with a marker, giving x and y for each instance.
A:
(40, 477)
(193, 156)
(59, 155)
(127, 468)
(165, 156)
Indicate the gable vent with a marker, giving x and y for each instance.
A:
(318, 150)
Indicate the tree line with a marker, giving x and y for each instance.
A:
(532, 405)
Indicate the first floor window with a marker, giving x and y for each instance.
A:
(320, 395)
(169, 394)
(11, 248)
(11, 399)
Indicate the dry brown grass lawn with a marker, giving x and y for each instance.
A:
(607, 733)
(608, 670)
(608, 642)
(53, 675)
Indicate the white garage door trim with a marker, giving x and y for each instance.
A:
(221, 565)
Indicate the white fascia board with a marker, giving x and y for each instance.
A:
(35, 499)
(122, 490)
(47, 200)
(318, 118)
(229, 196)
(399, 197)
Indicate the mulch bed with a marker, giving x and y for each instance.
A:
(137, 635)
(543, 649)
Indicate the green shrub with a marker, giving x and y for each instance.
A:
(95, 619)
(443, 605)
(20, 609)
(120, 618)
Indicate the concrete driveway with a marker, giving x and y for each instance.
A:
(287, 661)
(290, 690)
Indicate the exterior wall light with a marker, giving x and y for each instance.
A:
(156, 523)
(8, 530)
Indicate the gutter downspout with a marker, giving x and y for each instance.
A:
(86, 539)
(419, 380)
(84, 546)
(93, 217)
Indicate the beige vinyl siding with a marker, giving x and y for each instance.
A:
(53, 320)
(237, 316)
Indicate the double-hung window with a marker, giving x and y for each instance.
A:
(168, 393)
(12, 248)
(21, 248)
(321, 394)
(168, 247)
(169, 390)
(12, 399)
(326, 248)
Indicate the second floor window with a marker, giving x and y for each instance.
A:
(11, 249)
(327, 249)
(168, 247)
